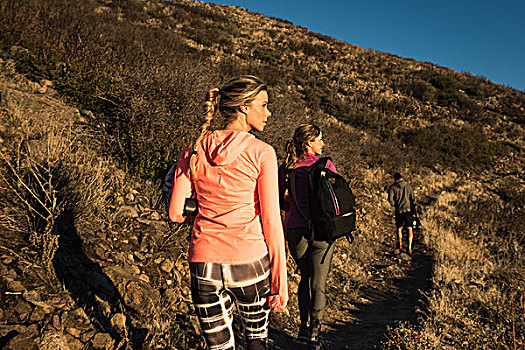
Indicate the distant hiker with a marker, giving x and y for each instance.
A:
(236, 252)
(401, 197)
(313, 257)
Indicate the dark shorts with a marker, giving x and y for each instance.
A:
(404, 220)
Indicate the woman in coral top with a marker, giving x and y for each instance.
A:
(313, 257)
(236, 251)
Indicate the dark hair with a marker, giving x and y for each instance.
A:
(397, 176)
(296, 146)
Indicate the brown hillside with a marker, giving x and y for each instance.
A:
(98, 97)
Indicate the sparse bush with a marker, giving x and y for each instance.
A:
(423, 90)
(458, 149)
(267, 55)
(335, 106)
(45, 172)
(100, 74)
(311, 49)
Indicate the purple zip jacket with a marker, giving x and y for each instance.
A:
(293, 218)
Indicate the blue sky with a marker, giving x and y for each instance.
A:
(485, 38)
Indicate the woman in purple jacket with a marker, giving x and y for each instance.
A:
(301, 150)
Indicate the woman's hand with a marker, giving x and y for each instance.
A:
(275, 302)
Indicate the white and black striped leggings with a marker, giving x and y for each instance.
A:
(215, 287)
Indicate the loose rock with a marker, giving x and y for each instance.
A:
(167, 265)
(52, 340)
(119, 322)
(102, 341)
(16, 286)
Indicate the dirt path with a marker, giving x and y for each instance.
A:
(392, 295)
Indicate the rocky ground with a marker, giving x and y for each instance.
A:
(121, 281)
(102, 296)
(99, 294)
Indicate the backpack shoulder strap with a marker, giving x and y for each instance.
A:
(293, 192)
(321, 162)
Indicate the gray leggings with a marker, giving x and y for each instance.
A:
(312, 287)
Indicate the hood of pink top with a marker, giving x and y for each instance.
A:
(224, 146)
(306, 159)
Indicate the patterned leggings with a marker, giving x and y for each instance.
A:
(215, 287)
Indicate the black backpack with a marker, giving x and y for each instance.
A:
(331, 203)
(168, 186)
(190, 204)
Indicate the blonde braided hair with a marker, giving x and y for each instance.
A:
(210, 102)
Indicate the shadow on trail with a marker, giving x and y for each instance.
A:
(390, 301)
(90, 288)
(280, 340)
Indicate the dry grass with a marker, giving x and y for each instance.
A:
(47, 169)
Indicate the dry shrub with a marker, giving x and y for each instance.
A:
(47, 169)
(405, 337)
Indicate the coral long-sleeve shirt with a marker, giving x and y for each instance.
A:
(238, 220)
